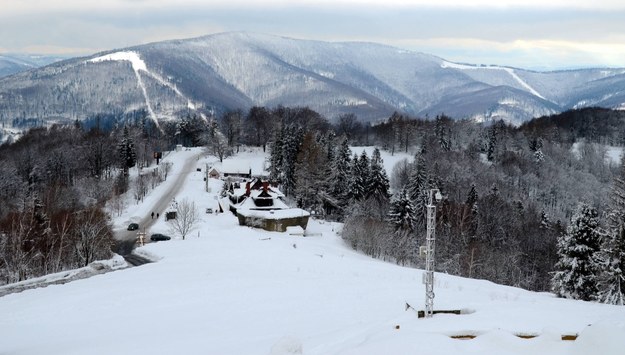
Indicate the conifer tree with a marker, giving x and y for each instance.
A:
(577, 249)
(402, 212)
(612, 279)
(309, 173)
(402, 221)
(417, 187)
(617, 198)
(292, 139)
(471, 212)
(340, 175)
(284, 149)
(364, 168)
(360, 177)
(127, 152)
(492, 144)
(275, 157)
(379, 185)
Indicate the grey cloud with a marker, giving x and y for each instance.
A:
(114, 29)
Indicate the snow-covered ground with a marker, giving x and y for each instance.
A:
(389, 159)
(612, 155)
(228, 289)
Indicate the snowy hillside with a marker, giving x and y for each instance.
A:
(235, 290)
(212, 74)
(15, 63)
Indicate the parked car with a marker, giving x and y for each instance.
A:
(133, 226)
(157, 237)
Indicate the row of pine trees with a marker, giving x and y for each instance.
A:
(482, 232)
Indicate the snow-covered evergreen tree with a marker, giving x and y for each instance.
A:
(417, 187)
(402, 221)
(539, 157)
(309, 172)
(283, 156)
(360, 177)
(617, 198)
(402, 212)
(612, 279)
(275, 157)
(471, 213)
(492, 144)
(292, 140)
(340, 176)
(127, 152)
(378, 186)
(577, 267)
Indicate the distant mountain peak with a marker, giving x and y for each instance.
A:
(236, 70)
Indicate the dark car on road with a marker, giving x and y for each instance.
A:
(156, 237)
(133, 226)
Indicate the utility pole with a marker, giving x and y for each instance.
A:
(141, 238)
(206, 178)
(430, 249)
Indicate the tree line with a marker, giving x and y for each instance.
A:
(510, 193)
(54, 185)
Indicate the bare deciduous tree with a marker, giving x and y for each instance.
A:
(187, 218)
(94, 236)
(219, 146)
(165, 169)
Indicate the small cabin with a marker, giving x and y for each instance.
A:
(258, 204)
(213, 173)
(236, 169)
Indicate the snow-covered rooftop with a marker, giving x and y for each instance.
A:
(234, 167)
(273, 214)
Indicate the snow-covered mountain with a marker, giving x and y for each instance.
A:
(238, 70)
(15, 63)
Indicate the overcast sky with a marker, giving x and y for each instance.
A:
(531, 34)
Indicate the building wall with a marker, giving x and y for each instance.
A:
(273, 225)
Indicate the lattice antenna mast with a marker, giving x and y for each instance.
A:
(430, 250)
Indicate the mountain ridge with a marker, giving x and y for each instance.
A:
(236, 70)
(12, 63)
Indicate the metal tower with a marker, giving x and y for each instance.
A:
(430, 249)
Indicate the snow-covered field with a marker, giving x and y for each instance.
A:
(228, 289)
(389, 159)
(612, 155)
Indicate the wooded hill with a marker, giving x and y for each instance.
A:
(510, 192)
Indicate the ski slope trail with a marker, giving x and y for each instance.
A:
(510, 71)
(139, 66)
(523, 83)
